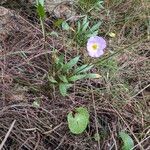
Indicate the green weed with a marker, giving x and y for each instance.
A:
(64, 74)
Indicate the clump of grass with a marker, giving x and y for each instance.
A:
(83, 31)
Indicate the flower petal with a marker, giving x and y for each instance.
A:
(101, 46)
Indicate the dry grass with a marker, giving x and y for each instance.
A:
(120, 97)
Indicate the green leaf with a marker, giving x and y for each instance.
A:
(71, 63)
(96, 26)
(85, 20)
(112, 34)
(40, 2)
(63, 78)
(79, 27)
(65, 26)
(63, 88)
(77, 77)
(97, 137)
(61, 58)
(41, 11)
(84, 28)
(92, 34)
(36, 103)
(92, 76)
(83, 68)
(128, 143)
(58, 23)
(78, 121)
(58, 62)
(51, 79)
(53, 33)
(85, 24)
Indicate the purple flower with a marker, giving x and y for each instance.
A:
(96, 46)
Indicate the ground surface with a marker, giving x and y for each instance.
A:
(118, 101)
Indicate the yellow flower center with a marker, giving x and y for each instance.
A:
(94, 47)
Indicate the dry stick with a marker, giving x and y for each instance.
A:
(128, 128)
(7, 135)
(37, 143)
(61, 141)
(142, 142)
(140, 91)
(115, 143)
(50, 131)
(96, 124)
(147, 14)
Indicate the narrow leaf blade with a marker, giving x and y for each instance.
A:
(79, 27)
(51, 79)
(63, 78)
(71, 63)
(84, 28)
(92, 76)
(85, 20)
(63, 88)
(77, 77)
(83, 68)
(96, 26)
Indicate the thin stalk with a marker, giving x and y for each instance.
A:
(44, 36)
(43, 28)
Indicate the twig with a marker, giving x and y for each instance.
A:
(96, 124)
(140, 91)
(50, 131)
(7, 135)
(141, 143)
(62, 140)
